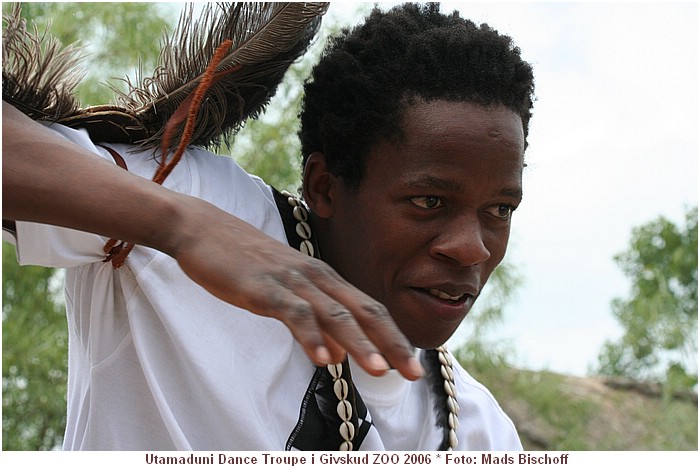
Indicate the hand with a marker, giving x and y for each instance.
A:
(326, 314)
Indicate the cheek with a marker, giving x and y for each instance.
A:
(363, 250)
(497, 245)
(382, 251)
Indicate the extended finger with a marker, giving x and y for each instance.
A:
(372, 337)
(362, 326)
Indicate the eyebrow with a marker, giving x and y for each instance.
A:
(431, 182)
(513, 193)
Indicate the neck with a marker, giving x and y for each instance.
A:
(322, 229)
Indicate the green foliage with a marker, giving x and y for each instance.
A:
(567, 417)
(480, 350)
(661, 316)
(118, 38)
(34, 365)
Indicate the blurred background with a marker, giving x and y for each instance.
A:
(587, 334)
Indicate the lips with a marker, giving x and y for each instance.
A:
(444, 295)
(447, 302)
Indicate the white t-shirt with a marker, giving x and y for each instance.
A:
(157, 363)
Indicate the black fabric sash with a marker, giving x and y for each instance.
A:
(319, 423)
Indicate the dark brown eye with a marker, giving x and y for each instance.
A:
(428, 202)
(502, 211)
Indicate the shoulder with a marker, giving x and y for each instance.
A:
(197, 166)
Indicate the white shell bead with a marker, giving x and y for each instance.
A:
(445, 359)
(453, 439)
(300, 213)
(452, 404)
(453, 421)
(447, 373)
(340, 388)
(344, 410)
(346, 446)
(307, 248)
(336, 370)
(449, 388)
(347, 430)
(303, 230)
(443, 371)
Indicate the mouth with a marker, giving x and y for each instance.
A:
(445, 296)
(448, 305)
(432, 312)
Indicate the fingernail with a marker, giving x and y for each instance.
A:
(323, 356)
(378, 362)
(416, 368)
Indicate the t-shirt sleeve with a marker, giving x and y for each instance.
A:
(53, 246)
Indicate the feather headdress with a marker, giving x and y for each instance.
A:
(256, 43)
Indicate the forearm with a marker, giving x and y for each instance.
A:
(48, 179)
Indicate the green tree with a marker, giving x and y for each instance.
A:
(34, 368)
(660, 318)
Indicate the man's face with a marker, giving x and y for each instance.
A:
(431, 219)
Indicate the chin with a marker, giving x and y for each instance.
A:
(429, 342)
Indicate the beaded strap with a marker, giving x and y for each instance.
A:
(451, 394)
(340, 384)
(344, 408)
(301, 215)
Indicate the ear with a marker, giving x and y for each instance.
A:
(318, 185)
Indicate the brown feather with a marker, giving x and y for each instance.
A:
(39, 77)
(267, 38)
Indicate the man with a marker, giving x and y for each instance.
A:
(413, 132)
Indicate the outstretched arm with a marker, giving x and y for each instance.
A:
(50, 180)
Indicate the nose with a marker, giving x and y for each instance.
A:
(461, 241)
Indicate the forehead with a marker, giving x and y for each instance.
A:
(438, 122)
(458, 137)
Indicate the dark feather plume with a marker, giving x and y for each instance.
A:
(267, 38)
(39, 76)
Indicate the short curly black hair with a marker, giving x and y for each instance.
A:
(367, 75)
